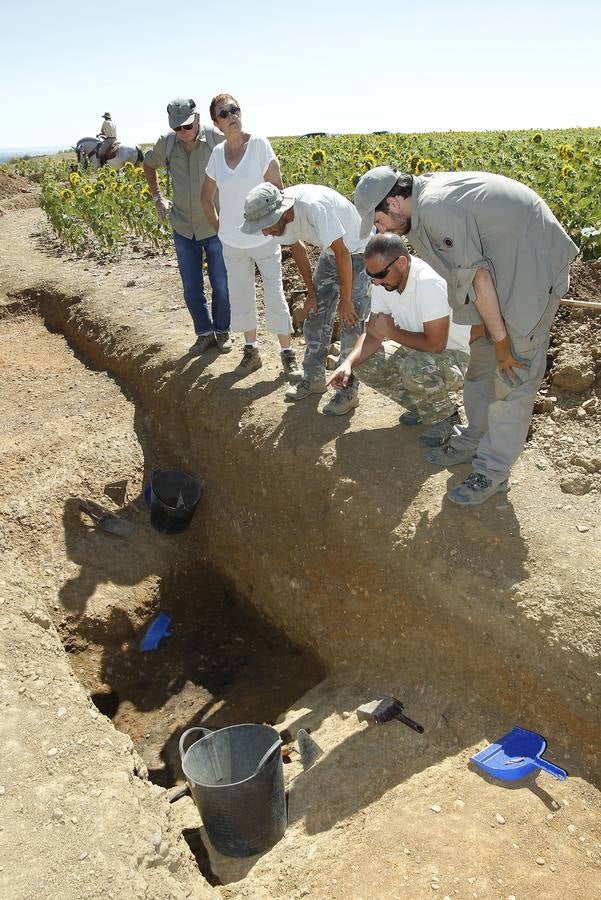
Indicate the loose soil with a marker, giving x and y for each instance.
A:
(335, 533)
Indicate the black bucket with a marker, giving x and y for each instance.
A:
(173, 498)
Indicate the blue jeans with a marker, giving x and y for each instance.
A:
(189, 257)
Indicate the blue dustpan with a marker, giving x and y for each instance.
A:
(515, 755)
(156, 631)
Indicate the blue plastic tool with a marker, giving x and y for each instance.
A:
(156, 631)
(148, 495)
(515, 755)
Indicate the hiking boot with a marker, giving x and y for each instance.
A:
(224, 342)
(447, 456)
(440, 432)
(290, 366)
(305, 388)
(476, 489)
(202, 343)
(410, 418)
(341, 403)
(250, 362)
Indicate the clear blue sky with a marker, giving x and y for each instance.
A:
(301, 66)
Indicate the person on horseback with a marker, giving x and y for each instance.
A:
(108, 135)
(185, 152)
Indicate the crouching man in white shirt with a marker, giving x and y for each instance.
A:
(412, 351)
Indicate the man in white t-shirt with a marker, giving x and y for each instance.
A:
(320, 216)
(415, 353)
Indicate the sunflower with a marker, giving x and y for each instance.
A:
(128, 167)
(319, 157)
(584, 155)
(458, 163)
(139, 171)
(145, 192)
(74, 178)
(369, 161)
(66, 194)
(423, 165)
(565, 151)
(88, 190)
(537, 138)
(568, 172)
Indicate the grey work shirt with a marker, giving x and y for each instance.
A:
(187, 176)
(465, 221)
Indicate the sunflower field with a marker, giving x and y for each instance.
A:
(102, 212)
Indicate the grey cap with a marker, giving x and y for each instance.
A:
(181, 111)
(370, 191)
(264, 206)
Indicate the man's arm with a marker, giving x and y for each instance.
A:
(207, 201)
(366, 346)
(433, 339)
(301, 258)
(162, 205)
(489, 310)
(344, 268)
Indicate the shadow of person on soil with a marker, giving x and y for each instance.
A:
(386, 472)
(106, 559)
(375, 760)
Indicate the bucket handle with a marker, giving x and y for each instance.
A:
(217, 770)
(189, 731)
(264, 759)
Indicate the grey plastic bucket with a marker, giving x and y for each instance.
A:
(173, 498)
(236, 778)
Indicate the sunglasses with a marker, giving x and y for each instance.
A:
(384, 272)
(229, 111)
(185, 127)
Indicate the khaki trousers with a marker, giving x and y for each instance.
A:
(498, 414)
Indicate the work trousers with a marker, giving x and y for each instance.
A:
(498, 414)
(318, 326)
(418, 380)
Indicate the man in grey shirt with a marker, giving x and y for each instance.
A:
(506, 261)
(186, 151)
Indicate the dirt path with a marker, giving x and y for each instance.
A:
(476, 621)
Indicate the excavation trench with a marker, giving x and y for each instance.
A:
(301, 589)
(221, 665)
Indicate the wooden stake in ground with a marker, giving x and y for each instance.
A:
(582, 304)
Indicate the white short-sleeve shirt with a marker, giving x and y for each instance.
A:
(423, 300)
(321, 215)
(235, 184)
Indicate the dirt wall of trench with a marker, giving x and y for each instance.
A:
(340, 534)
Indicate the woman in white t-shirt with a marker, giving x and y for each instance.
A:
(236, 166)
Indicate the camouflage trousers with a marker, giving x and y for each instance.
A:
(417, 380)
(318, 326)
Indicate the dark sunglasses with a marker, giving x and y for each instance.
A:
(185, 127)
(230, 111)
(384, 272)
